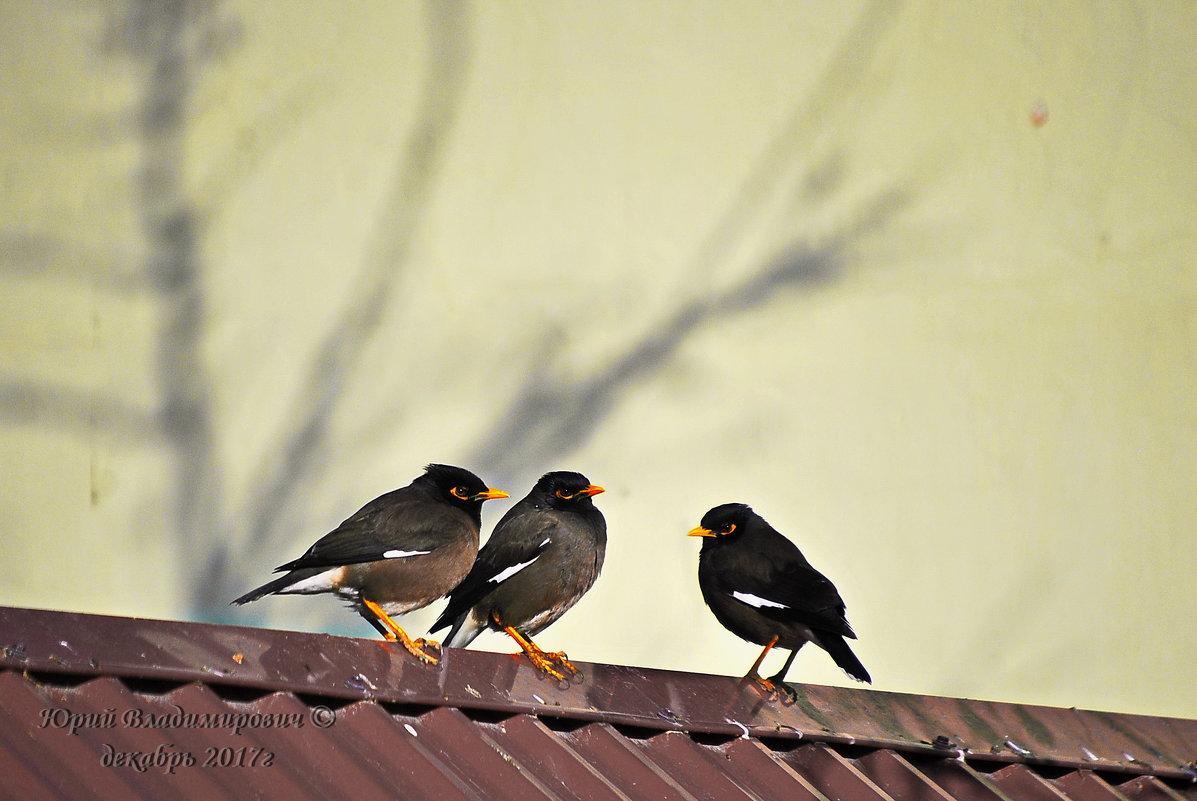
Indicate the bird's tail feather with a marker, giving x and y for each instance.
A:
(277, 585)
(843, 656)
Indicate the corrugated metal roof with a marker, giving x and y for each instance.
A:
(102, 707)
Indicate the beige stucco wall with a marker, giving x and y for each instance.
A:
(971, 403)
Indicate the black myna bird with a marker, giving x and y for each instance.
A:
(762, 589)
(398, 553)
(543, 556)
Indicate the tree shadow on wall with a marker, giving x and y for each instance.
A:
(220, 549)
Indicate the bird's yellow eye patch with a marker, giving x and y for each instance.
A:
(460, 492)
(563, 495)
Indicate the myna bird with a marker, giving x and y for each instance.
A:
(399, 552)
(762, 589)
(543, 556)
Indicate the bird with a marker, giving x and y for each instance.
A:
(400, 552)
(762, 589)
(543, 555)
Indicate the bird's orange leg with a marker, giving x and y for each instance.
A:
(396, 634)
(756, 677)
(552, 663)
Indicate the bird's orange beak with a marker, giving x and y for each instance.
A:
(593, 489)
(699, 531)
(492, 494)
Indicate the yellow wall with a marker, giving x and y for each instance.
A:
(968, 395)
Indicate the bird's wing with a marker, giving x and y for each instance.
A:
(500, 559)
(792, 592)
(393, 526)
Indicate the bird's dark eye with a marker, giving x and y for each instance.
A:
(730, 528)
(460, 492)
(563, 495)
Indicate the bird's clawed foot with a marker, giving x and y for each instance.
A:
(772, 687)
(785, 693)
(551, 663)
(396, 634)
(417, 647)
(555, 664)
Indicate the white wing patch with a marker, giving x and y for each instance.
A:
(757, 601)
(393, 554)
(508, 572)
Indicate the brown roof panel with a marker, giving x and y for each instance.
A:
(102, 707)
(960, 780)
(1016, 781)
(837, 777)
(474, 757)
(381, 749)
(324, 765)
(698, 769)
(1149, 788)
(615, 755)
(61, 759)
(1084, 785)
(762, 771)
(565, 772)
(901, 780)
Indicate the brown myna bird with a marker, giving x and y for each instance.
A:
(400, 552)
(762, 589)
(543, 556)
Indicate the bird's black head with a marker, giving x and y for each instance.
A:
(725, 522)
(564, 489)
(459, 486)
